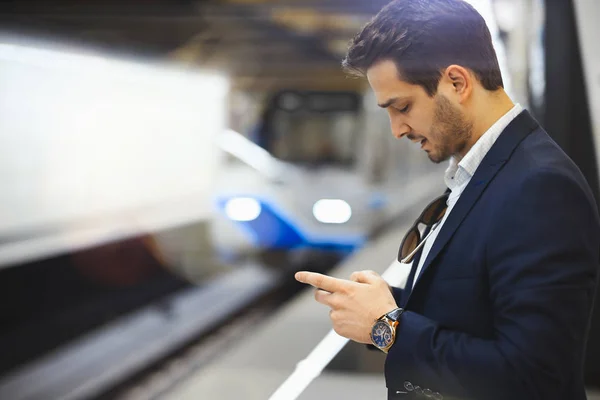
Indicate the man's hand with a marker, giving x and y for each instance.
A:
(355, 303)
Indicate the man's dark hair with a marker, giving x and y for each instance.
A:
(423, 37)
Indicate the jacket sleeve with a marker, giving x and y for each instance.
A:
(542, 262)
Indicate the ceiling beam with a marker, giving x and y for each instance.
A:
(354, 7)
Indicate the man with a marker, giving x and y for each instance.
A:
(498, 301)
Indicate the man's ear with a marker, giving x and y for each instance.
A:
(461, 80)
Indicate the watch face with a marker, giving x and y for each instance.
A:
(381, 334)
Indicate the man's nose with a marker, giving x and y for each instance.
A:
(400, 130)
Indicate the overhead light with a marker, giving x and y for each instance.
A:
(243, 209)
(332, 211)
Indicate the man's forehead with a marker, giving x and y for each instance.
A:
(386, 82)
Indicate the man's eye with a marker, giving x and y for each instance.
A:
(403, 110)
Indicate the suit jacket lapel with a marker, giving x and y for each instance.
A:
(413, 269)
(500, 152)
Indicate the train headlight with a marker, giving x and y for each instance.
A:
(242, 209)
(332, 211)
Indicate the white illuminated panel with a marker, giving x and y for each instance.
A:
(93, 148)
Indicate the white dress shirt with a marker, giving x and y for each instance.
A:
(459, 174)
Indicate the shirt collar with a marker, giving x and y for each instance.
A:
(459, 173)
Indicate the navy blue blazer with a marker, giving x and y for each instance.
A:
(501, 310)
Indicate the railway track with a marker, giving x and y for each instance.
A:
(154, 346)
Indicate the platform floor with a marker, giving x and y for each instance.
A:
(255, 368)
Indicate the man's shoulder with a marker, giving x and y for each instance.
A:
(539, 157)
(539, 169)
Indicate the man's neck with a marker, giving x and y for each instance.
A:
(486, 112)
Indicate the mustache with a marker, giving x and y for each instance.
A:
(412, 136)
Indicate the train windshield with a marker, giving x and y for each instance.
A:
(315, 129)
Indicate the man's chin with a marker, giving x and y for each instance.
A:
(436, 158)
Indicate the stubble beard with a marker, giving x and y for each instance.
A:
(451, 130)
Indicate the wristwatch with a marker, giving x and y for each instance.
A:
(383, 332)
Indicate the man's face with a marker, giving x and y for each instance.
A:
(435, 122)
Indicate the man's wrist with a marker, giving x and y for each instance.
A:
(383, 331)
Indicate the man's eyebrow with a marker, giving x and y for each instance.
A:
(390, 102)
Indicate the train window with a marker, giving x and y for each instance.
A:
(315, 129)
(314, 139)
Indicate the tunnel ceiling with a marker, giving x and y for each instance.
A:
(263, 44)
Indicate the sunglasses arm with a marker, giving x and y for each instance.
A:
(409, 257)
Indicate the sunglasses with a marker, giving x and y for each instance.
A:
(431, 215)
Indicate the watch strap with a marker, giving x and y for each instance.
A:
(394, 315)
